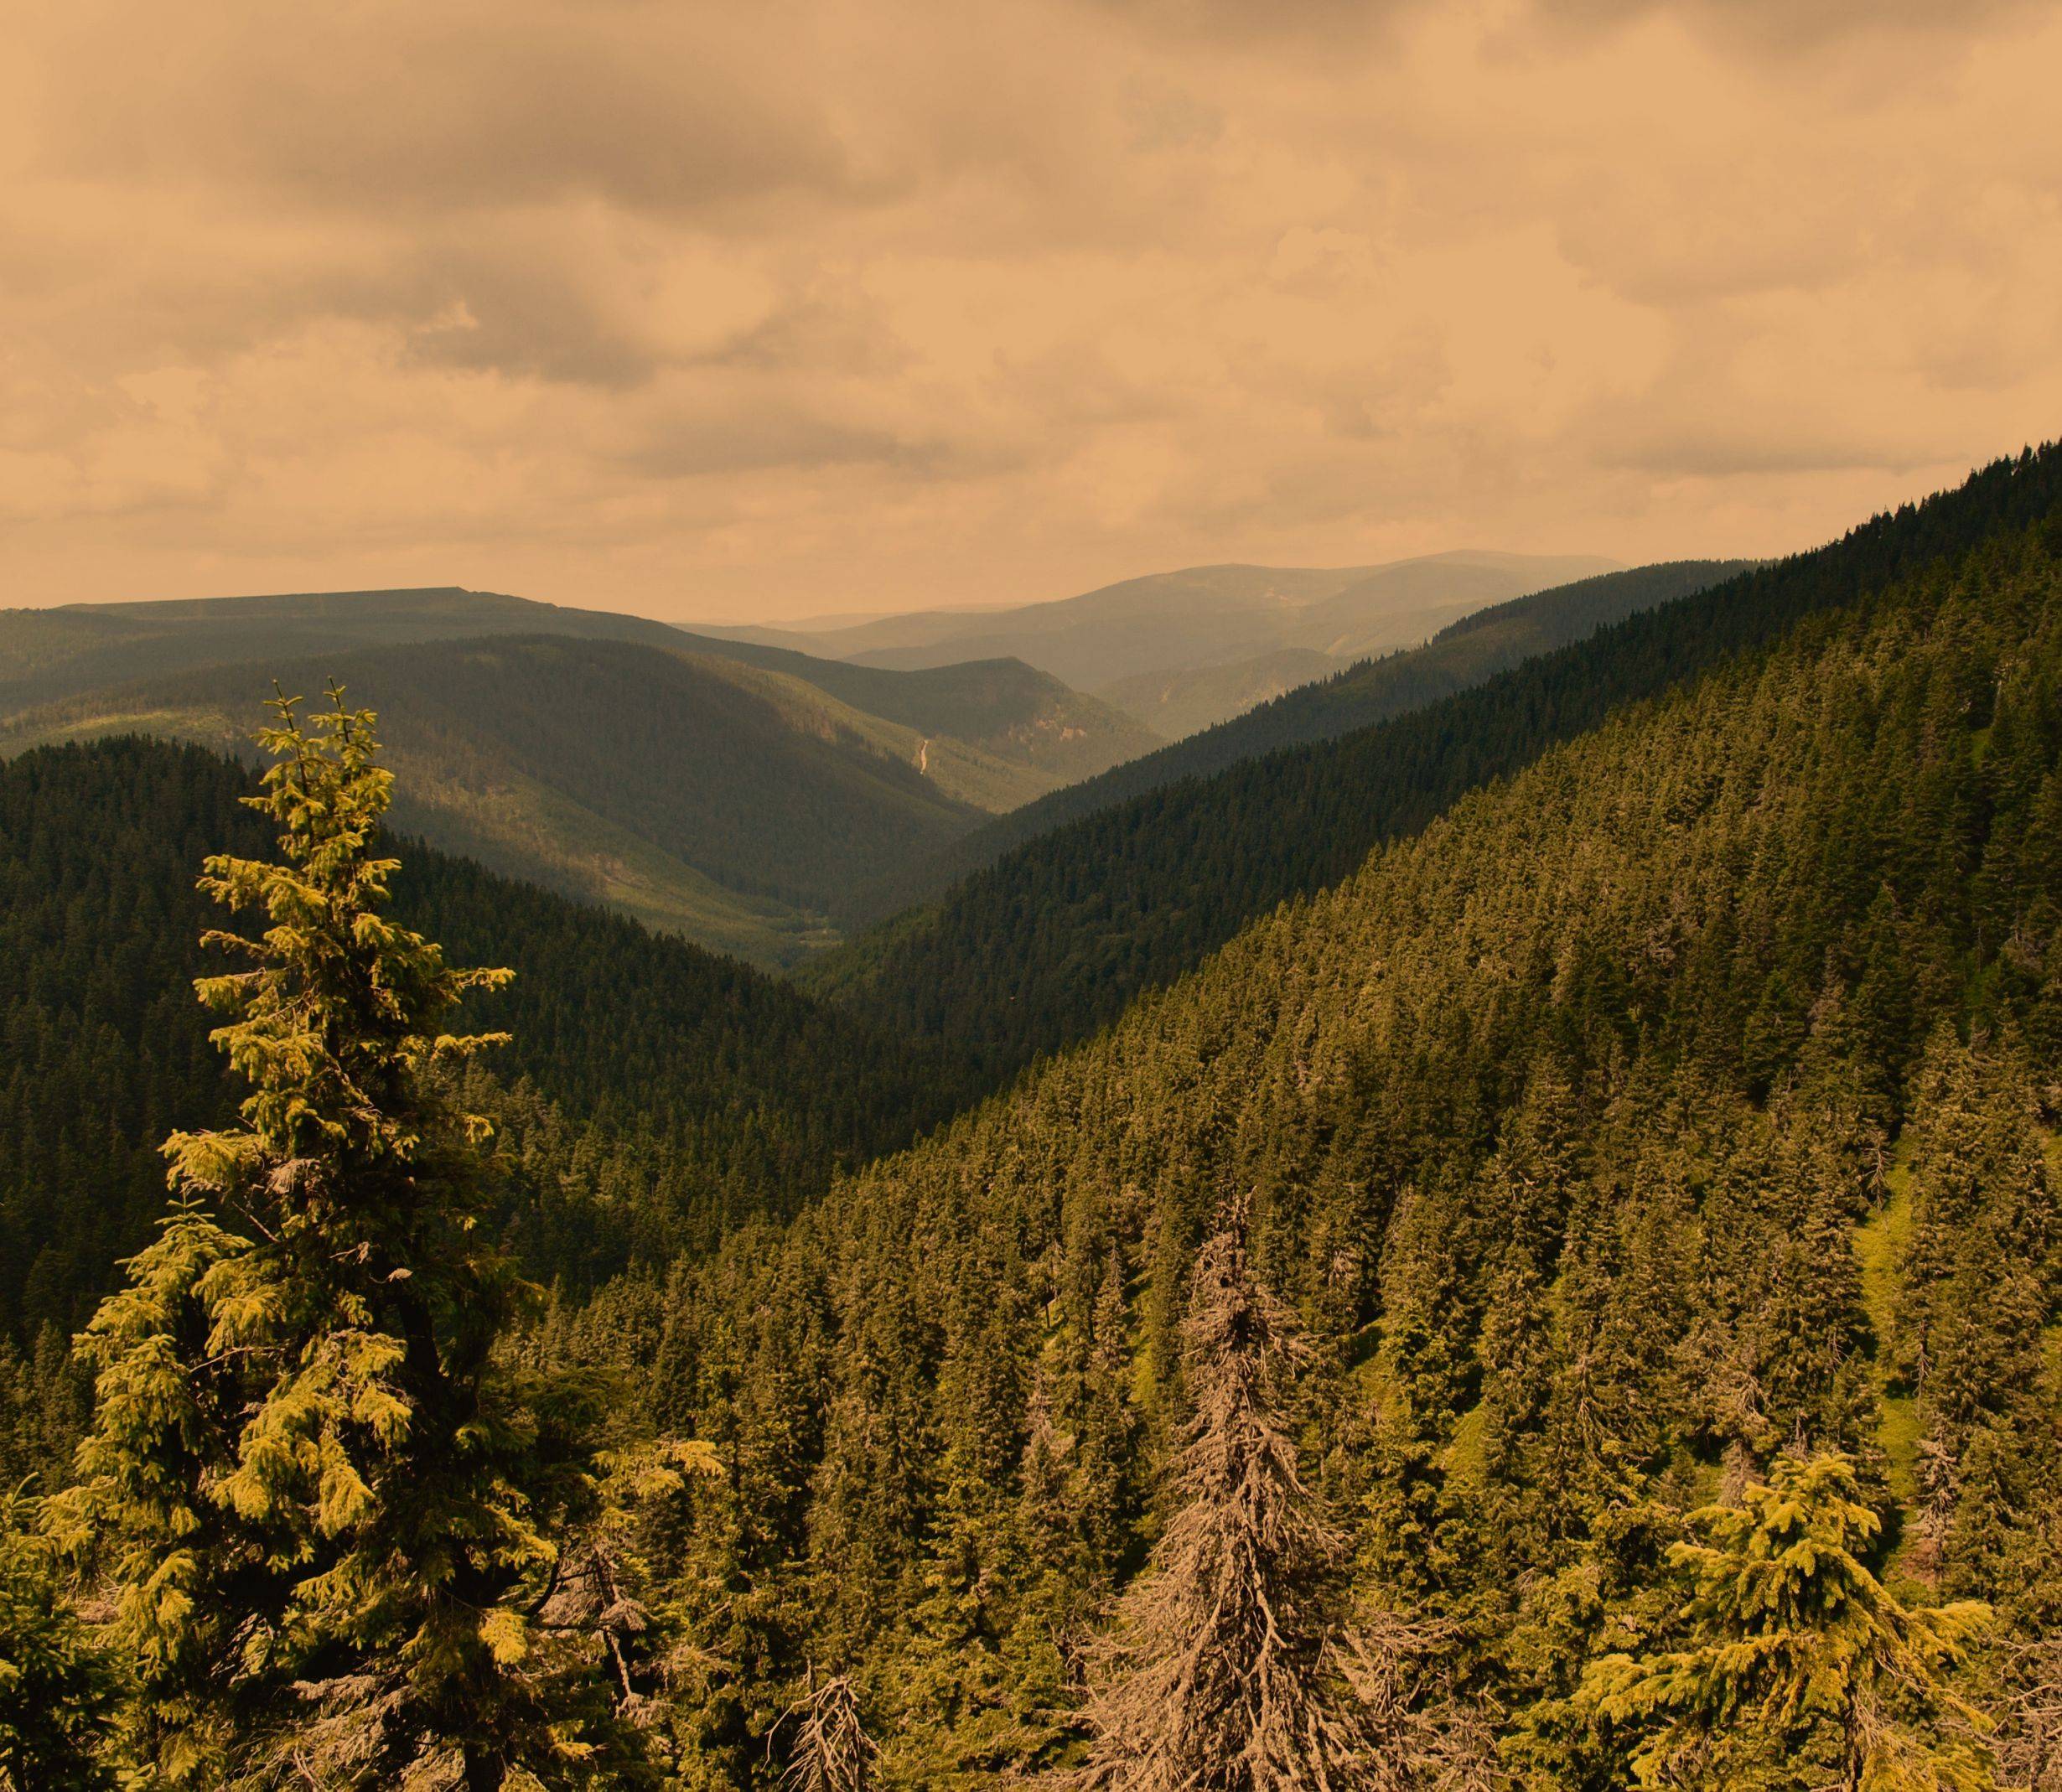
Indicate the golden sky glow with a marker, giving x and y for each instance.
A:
(760, 310)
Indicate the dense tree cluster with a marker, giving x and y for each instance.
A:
(1683, 1107)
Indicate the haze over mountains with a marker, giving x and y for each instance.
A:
(749, 793)
(1184, 649)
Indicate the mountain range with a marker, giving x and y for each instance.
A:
(1180, 650)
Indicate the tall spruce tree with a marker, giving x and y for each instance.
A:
(1798, 1669)
(322, 1506)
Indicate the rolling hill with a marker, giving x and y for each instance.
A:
(1184, 700)
(1199, 617)
(733, 792)
(69, 649)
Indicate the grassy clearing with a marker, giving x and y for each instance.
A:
(1464, 1457)
(1880, 1243)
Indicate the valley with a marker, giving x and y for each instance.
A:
(746, 795)
(1625, 1026)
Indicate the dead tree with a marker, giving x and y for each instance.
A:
(2029, 1740)
(830, 1750)
(1214, 1679)
(1412, 1734)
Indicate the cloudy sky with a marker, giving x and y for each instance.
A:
(720, 310)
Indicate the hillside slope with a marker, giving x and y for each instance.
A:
(1181, 702)
(47, 654)
(1561, 1125)
(1465, 653)
(1047, 733)
(658, 1095)
(1038, 732)
(728, 804)
(1055, 939)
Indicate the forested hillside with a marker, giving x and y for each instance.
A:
(654, 1094)
(1680, 1109)
(731, 805)
(1057, 938)
(1321, 708)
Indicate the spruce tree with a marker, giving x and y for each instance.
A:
(56, 1689)
(1799, 1668)
(322, 1507)
(1104, 1480)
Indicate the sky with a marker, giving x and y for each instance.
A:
(726, 312)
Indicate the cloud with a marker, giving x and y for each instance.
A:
(1755, 27)
(376, 105)
(830, 303)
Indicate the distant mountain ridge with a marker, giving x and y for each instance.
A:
(1225, 614)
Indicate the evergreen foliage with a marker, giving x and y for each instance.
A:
(1594, 1134)
(653, 1096)
(1796, 1663)
(322, 1503)
(57, 1690)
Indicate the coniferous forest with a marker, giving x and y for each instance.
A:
(1519, 1246)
